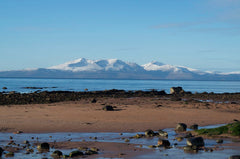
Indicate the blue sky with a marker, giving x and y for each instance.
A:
(201, 34)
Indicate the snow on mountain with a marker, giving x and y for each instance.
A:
(157, 66)
(83, 64)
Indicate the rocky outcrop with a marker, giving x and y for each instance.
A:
(195, 141)
(164, 143)
(176, 90)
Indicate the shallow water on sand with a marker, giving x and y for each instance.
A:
(174, 152)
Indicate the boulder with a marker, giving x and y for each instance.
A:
(76, 153)
(181, 127)
(108, 108)
(219, 141)
(164, 143)
(195, 141)
(194, 127)
(57, 154)
(162, 133)
(91, 152)
(1, 151)
(43, 146)
(149, 133)
(176, 90)
(234, 157)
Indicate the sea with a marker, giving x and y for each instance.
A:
(29, 85)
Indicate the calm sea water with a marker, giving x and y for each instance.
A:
(18, 84)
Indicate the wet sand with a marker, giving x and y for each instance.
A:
(130, 115)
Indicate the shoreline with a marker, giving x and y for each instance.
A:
(130, 115)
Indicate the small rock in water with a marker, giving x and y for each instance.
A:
(181, 127)
(179, 138)
(234, 157)
(195, 141)
(149, 133)
(219, 141)
(194, 127)
(164, 143)
(162, 133)
(1, 151)
(4, 88)
(43, 146)
(57, 154)
(9, 154)
(76, 154)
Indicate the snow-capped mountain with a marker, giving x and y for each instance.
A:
(158, 66)
(83, 64)
(117, 69)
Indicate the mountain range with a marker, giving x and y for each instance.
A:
(117, 69)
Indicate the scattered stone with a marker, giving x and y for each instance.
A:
(43, 146)
(108, 108)
(149, 133)
(83, 148)
(76, 153)
(4, 88)
(188, 135)
(164, 143)
(94, 101)
(127, 140)
(189, 149)
(194, 127)
(57, 154)
(219, 141)
(30, 150)
(26, 142)
(195, 141)
(179, 139)
(152, 146)
(162, 133)
(176, 90)
(181, 127)
(234, 157)
(91, 152)
(94, 149)
(1, 151)
(9, 154)
(18, 132)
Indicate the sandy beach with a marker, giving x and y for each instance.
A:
(130, 115)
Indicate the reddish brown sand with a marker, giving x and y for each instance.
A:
(131, 115)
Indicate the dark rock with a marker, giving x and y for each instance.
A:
(219, 141)
(149, 133)
(76, 154)
(91, 152)
(179, 138)
(194, 127)
(190, 149)
(195, 141)
(4, 88)
(1, 151)
(108, 108)
(94, 101)
(162, 133)
(43, 146)
(188, 135)
(164, 143)
(181, 127)
(176, 90)
(57, 154)
(234, 157)
(9, 154)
